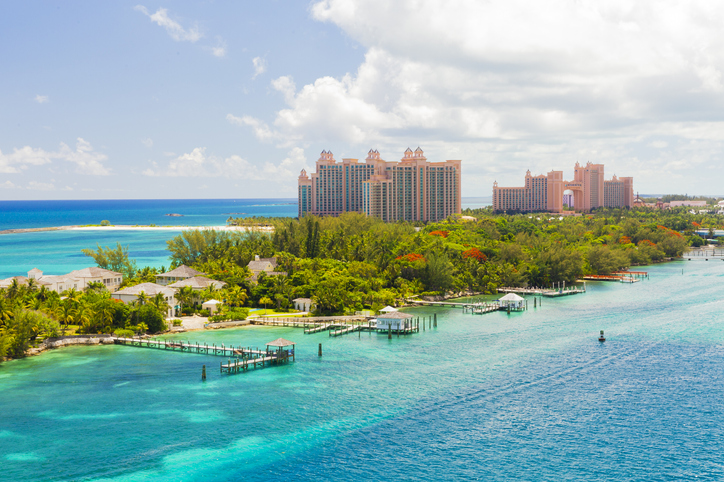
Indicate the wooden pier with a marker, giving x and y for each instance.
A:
(240, 359)
(611, 277)
(547, 292)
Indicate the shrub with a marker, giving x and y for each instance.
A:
(176, 322)
(151, 317)
(105, 222)
(123, 333)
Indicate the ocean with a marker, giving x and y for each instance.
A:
(58, 252)
(520, 396)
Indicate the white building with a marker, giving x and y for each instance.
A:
(131, 293)
(179, 274)
(78, 279)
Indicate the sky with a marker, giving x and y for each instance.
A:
(231, 99)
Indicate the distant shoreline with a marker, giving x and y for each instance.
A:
(122, 227)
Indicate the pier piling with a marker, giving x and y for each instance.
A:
(203, 373)
(320, 349)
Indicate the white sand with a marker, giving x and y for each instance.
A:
(168, 228)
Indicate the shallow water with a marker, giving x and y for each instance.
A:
(526, 396)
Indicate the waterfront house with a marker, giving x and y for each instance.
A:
(198, 284)
(179, 274)
(395, 320)
(78, 279)
(130, 294)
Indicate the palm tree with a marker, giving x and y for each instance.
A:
(142, 298)
(209, 293)
(66, 315)
(236, 296)
(265, 300)
(159, 301)
(185, 296)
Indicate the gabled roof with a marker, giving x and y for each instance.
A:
(388, 309)
(93, 272)
(302, 300)
(199, 282)
(182, 271)
(395, 315)
(211, 302)
(151, 289)
(259, 265)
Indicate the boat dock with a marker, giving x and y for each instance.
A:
(611, 277)
(239, 359)
(547, 292)
(344, 325)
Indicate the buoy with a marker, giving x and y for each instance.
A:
(601, 338)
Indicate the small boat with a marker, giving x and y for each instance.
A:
(601, 338)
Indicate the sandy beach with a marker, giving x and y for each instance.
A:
(121, 227)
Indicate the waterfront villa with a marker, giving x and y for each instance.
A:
(78, 279)
(198, 284)
(179, 274)
(131, 293)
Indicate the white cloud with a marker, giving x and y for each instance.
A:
(173, 28)
(40, 186)
(506, 85)
(8, 185)
(220, 49)
(259, 66)
(198, 163)
(86, 160)
(148, 142)
(41, 99)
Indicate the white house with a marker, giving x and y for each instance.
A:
(395, 320)
(179, 274)
(131, 293)
(198, 284)
(78, 279)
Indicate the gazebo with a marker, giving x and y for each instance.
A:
(394, 320)
(512, 302)
(281, 353)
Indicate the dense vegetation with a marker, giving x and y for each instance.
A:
(353, 262)
(29, 313)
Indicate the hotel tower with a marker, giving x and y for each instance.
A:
(547, 192)
(412, 189)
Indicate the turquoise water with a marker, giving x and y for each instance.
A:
(528, 396)
(58, 252)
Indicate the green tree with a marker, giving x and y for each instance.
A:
(114, 259)
(154, 320)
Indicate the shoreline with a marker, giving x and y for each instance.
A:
(128, 227)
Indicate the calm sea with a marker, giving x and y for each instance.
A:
(58, 252)
(529, 396)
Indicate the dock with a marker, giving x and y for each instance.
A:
(547, 292)
(344, 325)
(239, 359)
(611, 277)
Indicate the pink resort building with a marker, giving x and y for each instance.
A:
(549, 192)
(412, 189)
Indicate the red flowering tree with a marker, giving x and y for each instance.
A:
(440, 233)
(475, 253)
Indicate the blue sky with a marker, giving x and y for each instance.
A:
(231, 99)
